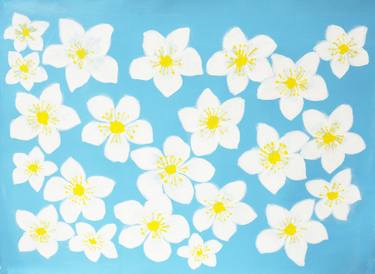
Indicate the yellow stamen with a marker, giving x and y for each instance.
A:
(218, 207)
(212, 122)
(78, 190)
(116, 127)
(332, 195)
(153, 226)
(290, 229)
(42, 117)
(166, 61)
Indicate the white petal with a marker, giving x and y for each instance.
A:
(36, 182)
(194, 264)
(129, 212)
(296, 252)
(99, 106)
(243, 214)
(107, 231)
(117, 151)
(235, 108)
(296, 169)
(181, 192)
(55, 189)
(130, 106)
(195, 239)
(344, 177)
(341, 212)
(333, 32)
(231, 138)
(184, 251)
(41, 26)
(69, 211)
(237, 83)
(202, 220)
(100, 37)
(25, 219)
(189, 118)
(179, 38)
(71, 169)
(207, 99)
(76, 244)
(234, 37)
(311, 150)
(70, 30)
(224, 230)
(202, 145)
(205, 193)
(353, 143)
(191, 63)
(338, 68)
(68, 118)
(63, 232)
(21, 159)
(291, 106)
(316, 232)
(199, 170)
(276, 215)
(132, 237)
(273, 182)
(94, 210)
(313, 120)
(11, 77)
(21, 130)
(49, 141)
(352, 194)
(323, 49)
(317, 90)
(332, 160)
(303, 210)
(294, 140)
(158, 204)
(9, 33)
(343, 115)
(48, 214)
(316, 187)
(360, 59)
(268, 90)
(146, 158)
(141, 69)
(359, 35)
(18, 19)
(140, 132)
(175, 146)
(210, 260)
(214, 245)
(309, 62)
(93, 134)
(152, 42)
(179, 229)
(92, 254)
(261, 71)
(47, 249)
(27, 84)
(149, 184)
(281, 63)
(104, 69)
(217, 65)
(234, 191)
(268, 241)
(322, 210)
(40, 75)
(249, 161)
(101, 186)
(76, 77)
(109, 250)
(26, 244)
(157, 249)
(55, 55)
(19, 175)
(264, 44)
(19, 45)
(52, 94)
(266, 134)
(84, 228)
(168, 84)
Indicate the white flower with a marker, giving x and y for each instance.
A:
(343, 49)
(292, 230)
(32, 168)
(331, 137)
(242, 59)
(152, 225)
(336, 196)
(198, 252)
(84, 54)
(25, 70)
(42, 232)
(93, 243)
(170, 170)
(212, 123)
(78, 193)
(223, 209)
(118, 125)
(276, 158)
(166, 59)
(293, 82)
(26, 33)
(44, 117)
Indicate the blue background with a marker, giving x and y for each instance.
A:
(296, 26)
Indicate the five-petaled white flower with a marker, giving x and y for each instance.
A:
(118, 125)
(276, 158)
(293, 82)
(212, 123)
(292, 230)
(242, 59)
(84, 54)
(43, 117)
(336, 196)
(223, 209)
(166, 59)
(198, 252)
(170, 170)
(26, 33)
(25, 70)
(93, 243)
(42, 232)
(32, 168)
(343, 49)
(152, 224)
(331, 137)
(78, 193)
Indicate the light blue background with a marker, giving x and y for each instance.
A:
(296, 26)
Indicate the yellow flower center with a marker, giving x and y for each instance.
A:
(290, 229)
(25, 32)
(343, 48)
(241, 59)
(165, 61)
(332, 195)
(40, 231)
(171, 169)
(24, 68)
(42, 117)
(153, 225)
(34, 167)
(328, 138)
(218, 207)
(81, 53)
(274, 157)
(199, 252)
(291, 83)
(212, 122)
(116, 127)
(93, 241)
(79, 190)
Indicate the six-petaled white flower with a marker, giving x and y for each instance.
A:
(42, 232)
(343, 49)
(292, 230)
(166, 59)
(331, 137)
(336, 196)
(242, 59)
(78, 193)
(118, 125)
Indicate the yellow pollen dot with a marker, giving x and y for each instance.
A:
(290, 229)
(42, 117)
(343, 48)
(116, 127)
(153, 226)
(171, 169)
(274, 157)
(81, 53)
(212, 122)
(332, 195)
(166, 61)
(78, 190)
(291, 83)
(25, 32)
(40, 231)
(24, 68)
(241, 60)
(218, 207)
(199, 252)
(328, 138)
(33, 168)
(93, 241)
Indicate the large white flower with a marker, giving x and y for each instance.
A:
(343, 49)
(93, 243)
(44, 117)
(170, 170)
(84, 54)
(32, 168)
(25, 70)
(42, 232)
(26, 33)
(152, 225)
(223, 209)
(118, 125)
(293, 82)
(212, 123)
(331, 137)
(242, 59)
(166, 59)
(198, 252)
(292, 230)
(276, 158)
(336, 196)
(78, 193)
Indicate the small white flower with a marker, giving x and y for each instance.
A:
(242, 59)
(26, 33)
(293, 82)
(336, 196)
(276, 158)
(223, 209)
(212, 123)
(42, 232)
(78, 193)
(166, 59)
(118, 125)
(343, 49)
(170, 170)
(331, 137)
(93, 243)
(84, 54)
(152, 225)
(44, 117)
(292, 230)
(25, 70)
(198, 252)
(32, 168)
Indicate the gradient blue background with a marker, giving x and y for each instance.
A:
(296, 26)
